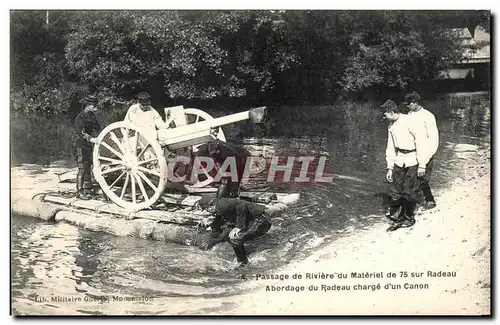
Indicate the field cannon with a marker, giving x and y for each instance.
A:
(133, 166)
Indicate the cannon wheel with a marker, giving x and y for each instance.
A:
(194, 115)
(129, 166)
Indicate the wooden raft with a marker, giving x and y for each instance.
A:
(172, 208)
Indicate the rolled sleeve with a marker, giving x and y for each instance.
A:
(159, 123)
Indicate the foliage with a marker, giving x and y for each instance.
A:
(393, 49)
(193, 54)
(38, 83)
(59, 57)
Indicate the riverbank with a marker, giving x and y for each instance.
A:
(448, 246)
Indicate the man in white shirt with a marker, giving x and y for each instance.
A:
(426, 122)
(404, 156)
(145, 116)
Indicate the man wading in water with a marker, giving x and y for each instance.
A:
(236, 221)
(404, 155)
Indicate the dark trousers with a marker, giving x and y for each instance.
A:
(404, 189)
(84, 161)
(424, 181)
(257, 228)
(404, 184)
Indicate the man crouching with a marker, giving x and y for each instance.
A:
(236, 221)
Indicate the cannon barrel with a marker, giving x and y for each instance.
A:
(257, 115)
(204, 131)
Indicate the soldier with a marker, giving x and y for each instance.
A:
(404, 156)
(87, 129)
(424, 120)
(236, 221)
(145, 116)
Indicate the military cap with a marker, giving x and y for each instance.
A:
(389, 105)
(412, 97)
(143, 96)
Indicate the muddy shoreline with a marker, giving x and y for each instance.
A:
(453, 239)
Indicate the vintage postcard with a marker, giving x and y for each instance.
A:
(250, 162)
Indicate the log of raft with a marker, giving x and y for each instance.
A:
(173, 219)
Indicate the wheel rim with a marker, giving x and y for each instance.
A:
(129, 166)
(194, 115)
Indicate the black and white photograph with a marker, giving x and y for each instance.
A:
(250, 162)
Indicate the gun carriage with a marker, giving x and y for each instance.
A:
(134, 166)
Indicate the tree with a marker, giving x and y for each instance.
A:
(395, 49)
(38, 83)
(287, 56)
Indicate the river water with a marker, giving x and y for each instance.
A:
(65, 261)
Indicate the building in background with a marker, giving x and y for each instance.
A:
(473, 72)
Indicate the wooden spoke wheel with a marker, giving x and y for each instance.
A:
(129, 165)
(194, 115)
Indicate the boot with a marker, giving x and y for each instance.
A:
(429, 198)
(82, 195)
(88, 192)
(394, 226)
(398, 216)
(407, 223)
(241, 255)
(409, 216)
(429, 205)
(394, 212)
(224, 189)
(79, 181)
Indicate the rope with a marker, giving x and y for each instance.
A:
(66, 194)
(39, 194)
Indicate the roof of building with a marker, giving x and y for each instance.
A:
(463, 32)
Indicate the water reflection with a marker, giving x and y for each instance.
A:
(44, 254)
(472, 122)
